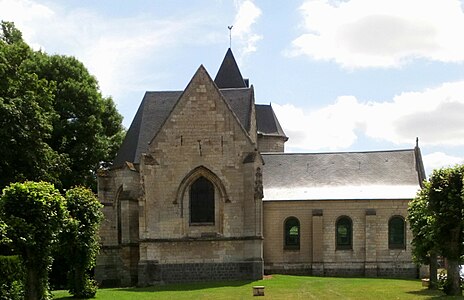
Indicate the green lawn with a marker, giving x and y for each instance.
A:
(279, 287)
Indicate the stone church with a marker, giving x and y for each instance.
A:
(201, 189)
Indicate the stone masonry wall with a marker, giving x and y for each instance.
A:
(268, 143)
(370, 255)
(118, 191)
(202, 137)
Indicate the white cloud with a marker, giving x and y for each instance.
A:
(331, 127)
(115, 50)
(438, 160)
(377, 33)
(434, 115)
(247, 15)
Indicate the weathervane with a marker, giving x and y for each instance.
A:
(230, 35)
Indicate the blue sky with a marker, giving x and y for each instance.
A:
(342, 75)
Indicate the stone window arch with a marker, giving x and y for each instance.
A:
(396, 233)
(291, 234)
(210, 184)
(344, 233)
(201, 204)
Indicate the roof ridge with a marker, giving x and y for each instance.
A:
(337, 152)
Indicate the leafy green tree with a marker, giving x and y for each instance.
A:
(446, 202)
(439, 210)
(34, 214)
(80, 240)
(55, 125)
(89, 128)
(26, 115)
(422, 222)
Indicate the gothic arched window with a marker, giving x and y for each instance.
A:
(396, 233)
(292, 233)
(202, 202)
(344, 233)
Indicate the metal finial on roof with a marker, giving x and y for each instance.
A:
(230, 35)
(417, 141)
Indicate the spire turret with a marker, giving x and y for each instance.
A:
(229, 75)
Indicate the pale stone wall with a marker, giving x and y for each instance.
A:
(268, 143)
(201, 137)
(317, 255)
(118, 191)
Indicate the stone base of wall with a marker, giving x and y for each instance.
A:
(117, 266)
(389, 270)
(152, 272)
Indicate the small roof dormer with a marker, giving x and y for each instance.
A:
(229, 75)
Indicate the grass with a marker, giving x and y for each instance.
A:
(279, 287)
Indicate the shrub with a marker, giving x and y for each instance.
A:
(11, 278)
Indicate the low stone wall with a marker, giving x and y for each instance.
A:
(406, 270)
(151, 272)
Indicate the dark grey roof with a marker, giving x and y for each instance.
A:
(341, 175)
(155, 109)
(152, 113)
(240, 101)
(266, 121)
(229, 75)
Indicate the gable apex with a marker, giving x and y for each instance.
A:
(229, 75)
(200, 80)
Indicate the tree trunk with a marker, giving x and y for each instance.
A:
(32, 285)
(454, 278)
(433, 271)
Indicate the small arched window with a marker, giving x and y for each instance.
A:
(396, 233)
(344, 233)
(202, 202)
(292, 233)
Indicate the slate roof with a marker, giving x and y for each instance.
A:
(341, 175)
(266, 121)
(229, 75)
(152, 113)
(155, 109)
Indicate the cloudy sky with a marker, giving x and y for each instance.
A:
(342, 75)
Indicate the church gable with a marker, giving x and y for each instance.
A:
(202, 132)
(203, 119)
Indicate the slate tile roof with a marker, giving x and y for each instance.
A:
(229, 75)
(267, 122)
(341, 175)
(155, 109)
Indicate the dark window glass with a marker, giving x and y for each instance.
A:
(292, 233)
(344, 233)
(396, 233)
(202, 201)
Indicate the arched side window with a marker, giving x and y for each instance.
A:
(202, 202)
(292, 234)
(344, 233)
(396, 233)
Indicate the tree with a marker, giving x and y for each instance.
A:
(26, 115)
(80, 240)
(89, 128)
(439, 208)
(33, 213)
(55, 126)
(422, 222)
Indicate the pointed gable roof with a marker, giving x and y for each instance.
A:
(229, 75)
(155, 109)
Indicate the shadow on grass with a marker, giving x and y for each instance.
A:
(433, 294)
(173, 287)
(187, 286)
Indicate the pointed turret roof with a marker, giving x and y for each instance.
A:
(229, 75)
